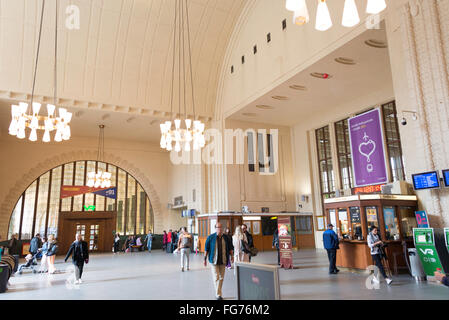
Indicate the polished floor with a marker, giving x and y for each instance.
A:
(157, 275)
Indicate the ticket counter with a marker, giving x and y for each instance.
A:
(353, 216)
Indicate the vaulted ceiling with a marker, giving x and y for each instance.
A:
(120, 59)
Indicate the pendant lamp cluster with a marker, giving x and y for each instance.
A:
(323, 18)
(22, 118)
(98, 178)
(186, 134)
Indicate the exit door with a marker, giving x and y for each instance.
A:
(91, 234)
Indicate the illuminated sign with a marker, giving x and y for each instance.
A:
(89, 208)
(367, 189)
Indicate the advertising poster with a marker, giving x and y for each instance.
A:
(421, 219)
(285, 242)
(367, 146)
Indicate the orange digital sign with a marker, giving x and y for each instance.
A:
(367, 189)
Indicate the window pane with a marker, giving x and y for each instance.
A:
(131, 207)
(391, 224)
(140, 218)
(28, 212)
(14, 223)
(42, 201)
(371, 217)
(68, 181)
(356, 223)
(150, 225)
(79, 181)
(54, 201)
(408, 222)
(99, 202)
(251, 160)
(260, 152)
(121, 193)
(344, 223)
(89, 197)
(110, 203)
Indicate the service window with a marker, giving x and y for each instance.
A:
(356, 223)
(408, 222)
(333, 218)
(269, 225)
(304, 224)
(344, 223)
(391, 224)
(371, 217)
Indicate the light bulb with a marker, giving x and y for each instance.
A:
(187, 146)
(375, 6)
(21, 133)
(188, 123)
(163, 142)
(46, 136)
(163, 128)
(350, 14)
(62, 113)
(50, 110)
(90, 183)
(177, 135)
(34, 122)
(66, 134)
(292, 5)
(168, 139)
(301, 15)
(13, 127)
(108, 184)
(169, 147)
(97, 183)
(23, 107)
(15, 111)
(168, 125)
(67, 117)
(177, 146)
(33, 135)
(107, 175)
(58, 136)
(188, 136)
(36, 108)
(323, 18)
(177, 123)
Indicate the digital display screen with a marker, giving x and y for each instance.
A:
(446, 178)
(427, 180)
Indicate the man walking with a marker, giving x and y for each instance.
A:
(219, 251)
(149, 240)
(331, 242)
(80, 255)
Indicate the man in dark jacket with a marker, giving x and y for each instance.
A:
(80, 255)
(14, 246)
(330, 240)
(249, 237)
(35, 244)
(275, 244)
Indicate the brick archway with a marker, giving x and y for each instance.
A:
(25, 180)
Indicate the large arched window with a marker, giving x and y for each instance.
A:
(38, 208)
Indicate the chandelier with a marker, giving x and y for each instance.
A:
(323, 18)
(191, 135)
(98, 178)
(22, 118)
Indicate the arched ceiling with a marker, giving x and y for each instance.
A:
(121, 57)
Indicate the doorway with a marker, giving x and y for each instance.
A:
(95, 228)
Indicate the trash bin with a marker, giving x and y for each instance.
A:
(416, 266)
(4, 276)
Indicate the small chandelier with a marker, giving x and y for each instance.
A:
(21, 118)
(192, 136)
(323, 18)
(99, 179)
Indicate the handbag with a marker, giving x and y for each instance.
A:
(254, 251)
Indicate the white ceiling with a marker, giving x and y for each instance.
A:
(369, 79)
(121, 57)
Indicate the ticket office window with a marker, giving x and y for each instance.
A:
(372, 218)
(333, 217)
(356, 223)
(344, 223)
(391, 223)
(408, 222)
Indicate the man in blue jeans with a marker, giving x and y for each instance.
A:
(330, 240)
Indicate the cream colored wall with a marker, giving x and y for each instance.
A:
(255, 190)
(23, 162)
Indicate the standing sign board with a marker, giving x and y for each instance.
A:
(425, 245)
(367, 146)
(285, 242)
(421, 219)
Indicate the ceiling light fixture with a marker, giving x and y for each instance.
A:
(99, 179)
(350, 14)
(323, 17)
(191, 134)
(21, 118)
(300, 13)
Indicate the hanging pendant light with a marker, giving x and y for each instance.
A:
(99, 179)
(293, 5)
(20, 116)
(180, 135)
(375, 6)
(301, 14)
(323, 17)
(350, 14)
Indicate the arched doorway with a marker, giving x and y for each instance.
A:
(40, 208)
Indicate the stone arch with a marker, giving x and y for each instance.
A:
(26, 179)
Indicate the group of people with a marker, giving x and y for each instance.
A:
(46, 248)
(221, 251)
(132, 242)
(170, 240)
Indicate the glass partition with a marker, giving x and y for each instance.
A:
(356, 223)
(391, 224)
(371, 217)
(408, 222)
(344, 223)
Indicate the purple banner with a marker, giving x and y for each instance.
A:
(367, 146)
(108, 193)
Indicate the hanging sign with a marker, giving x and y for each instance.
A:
(421, 219)
(367, 147)
(71, 191)
(285, 242)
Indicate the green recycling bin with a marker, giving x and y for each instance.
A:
(432, 249)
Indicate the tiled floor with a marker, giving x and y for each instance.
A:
(158, 276)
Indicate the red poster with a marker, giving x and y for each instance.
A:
(71, 191)
(285, 242)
